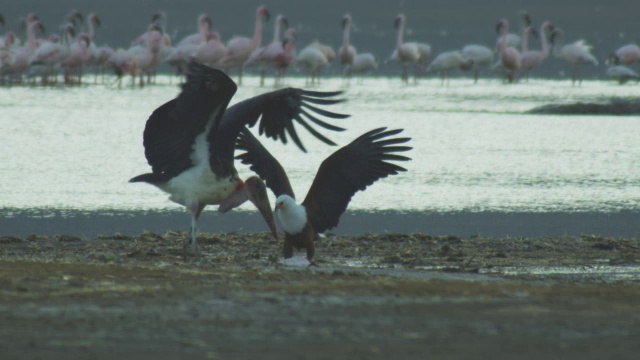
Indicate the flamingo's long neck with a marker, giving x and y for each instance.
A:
(276, 31)
(204, 30)
(545, 44)
(31, 35)
(400, 33)
(525, 38)
(557, 44)
(505, 37)
(346, 34)
(257, 35)
(92, 31)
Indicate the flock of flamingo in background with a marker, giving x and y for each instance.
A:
(73, 51)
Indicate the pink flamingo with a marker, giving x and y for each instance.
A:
(239, 48)
(281, 58)
(448, 61)
(576, 54)
(263, 55)
(20, 61)
(78, 56)
(50, 54)
(480, 56)
(347, 52)
(625, 55)
(510, 57)
(210, 52)
(6, 55)
(204, 26)
(406, 52)
(533, 58)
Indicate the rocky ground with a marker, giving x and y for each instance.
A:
(368, 296)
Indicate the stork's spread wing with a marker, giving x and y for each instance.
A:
(278, 110)
(170, 132)
(352, 168)
(263, 163)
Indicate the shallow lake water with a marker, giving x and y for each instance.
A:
(474, 147)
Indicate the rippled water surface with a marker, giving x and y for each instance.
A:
(474, 147)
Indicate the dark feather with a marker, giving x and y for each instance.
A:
(171, 129)
(277, 112)
(351, 169)
(263, 163)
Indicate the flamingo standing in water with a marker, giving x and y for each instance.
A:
(480, 56)
(362, 64)
(50, 54)
(347, 52)
(534, 58)
(448, 61)
(6, 54)
(576, 54)
(509, 56)
(239, 48)
(20, 62)
(78, 56)
(622, 74)
(312, 60)
(281, 58)
(625, 55)
(261, 56)
(407, 53)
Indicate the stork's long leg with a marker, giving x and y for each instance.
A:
(196, 209)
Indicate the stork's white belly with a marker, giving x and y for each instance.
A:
(199, 185)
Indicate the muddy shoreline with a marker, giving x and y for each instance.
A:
(409, 295)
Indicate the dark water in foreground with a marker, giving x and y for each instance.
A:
(463, 224)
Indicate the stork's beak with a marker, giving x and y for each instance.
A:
(257, 193)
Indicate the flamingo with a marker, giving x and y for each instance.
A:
(362, 64)
(623, 74)
(406, 52)
(312, 60)
(576, 54)
(50, 54)
(239, 48)
(534, 58)
(210, 52)
(20, 62)
(625, 55)
(6, 54)
(480, 56)
(326, 50)
(347, 52)
(261, 55)
(280, 58)
(78, 56)
(509, 56)
(448, 61)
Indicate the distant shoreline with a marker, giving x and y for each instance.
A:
(89, 224)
